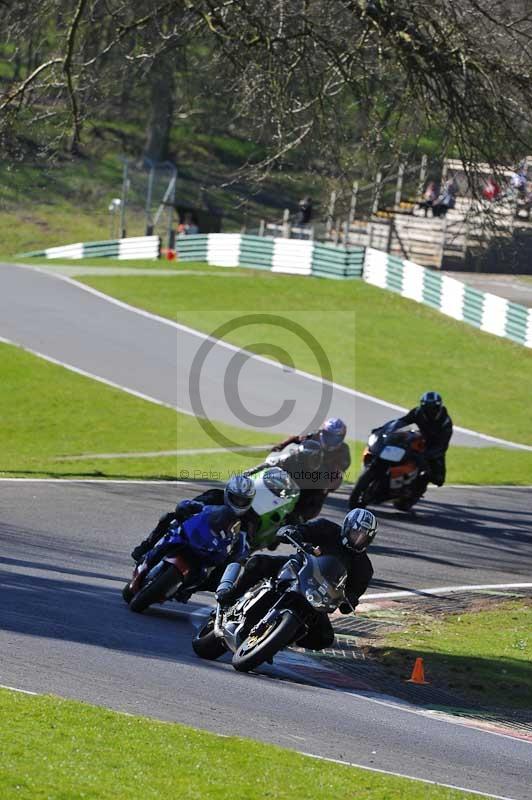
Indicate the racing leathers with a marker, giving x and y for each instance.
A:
(326, 535)
(437, 434)
(326, 479)
(200, 529)
(185, 509)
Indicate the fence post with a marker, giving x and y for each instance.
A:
(330, 213)
(123, 202)
(353, 206)
(377, 193)
(399, 185)
(286, 223)
(261, 227)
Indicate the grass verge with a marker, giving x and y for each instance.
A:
(375, 341)
(50, 415)
(66, 749)
(55, 423)
(482, 654)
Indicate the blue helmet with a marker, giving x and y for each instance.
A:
(332, 433)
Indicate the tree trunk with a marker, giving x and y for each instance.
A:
(162, 103)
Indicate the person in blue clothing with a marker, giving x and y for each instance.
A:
(237, 497)
(207, 536)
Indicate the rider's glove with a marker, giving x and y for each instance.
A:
(292, 531)
(344, 608)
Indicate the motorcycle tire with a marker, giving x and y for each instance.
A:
(127, 594)
(206, 645)
(360, 495)
(285, 631)
(155, 590)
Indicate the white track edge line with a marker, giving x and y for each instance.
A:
(276, 364)
(319, 758)
(443, 590)
(94, 377)
(402, 775)
(323, 758)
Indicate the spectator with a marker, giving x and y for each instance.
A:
(491, 190)
(304, 211)
(446, 200)
(188, 226)
(430, 195)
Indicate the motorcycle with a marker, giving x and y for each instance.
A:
(173, 579)
(191, 557)
(276, 612)
(392, 463)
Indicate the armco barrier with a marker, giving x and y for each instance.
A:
(486, 311)
(452, 297)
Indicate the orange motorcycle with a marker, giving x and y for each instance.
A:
(393, 466)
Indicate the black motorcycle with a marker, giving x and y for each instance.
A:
(393, 466)
(276, 612)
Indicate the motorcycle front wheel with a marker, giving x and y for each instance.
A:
(363, 490)
(256, 649)
(206, 645)
(156, 589)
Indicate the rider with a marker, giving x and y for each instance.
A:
(347, 542)
(436, 426)
(237, 496)
(303, 464)
(336, 459)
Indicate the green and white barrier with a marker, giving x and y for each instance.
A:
(132, 248)
(452, 297)
(292, 256)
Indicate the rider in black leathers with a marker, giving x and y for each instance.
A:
(347, 542)
(436, 426)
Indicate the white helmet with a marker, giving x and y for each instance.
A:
(239, 494)
(359, 529)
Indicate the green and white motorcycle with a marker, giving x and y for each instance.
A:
(276, 496)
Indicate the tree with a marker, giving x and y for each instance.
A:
(348, 78)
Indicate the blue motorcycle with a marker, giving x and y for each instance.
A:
(184, 559)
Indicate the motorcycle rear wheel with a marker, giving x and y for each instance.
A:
(283, 632)
(206, 645)
(361, 493)
(156, 589)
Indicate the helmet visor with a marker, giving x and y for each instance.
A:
(359, 540)
(238, 500)
(331, 439)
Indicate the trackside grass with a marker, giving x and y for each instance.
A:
(52, 420)
(376, 342)
(65, 749)
(50, 414)
(484, 655)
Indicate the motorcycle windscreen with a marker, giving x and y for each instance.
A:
(327, 572)
(391, 453)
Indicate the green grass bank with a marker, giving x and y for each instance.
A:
(65, 749)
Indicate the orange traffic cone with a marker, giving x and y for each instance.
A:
(418, 673)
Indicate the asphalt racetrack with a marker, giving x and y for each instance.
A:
(64, 628)
(139, 352)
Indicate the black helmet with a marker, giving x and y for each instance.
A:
(239, 494)
(431, 405)
(359, 529)
(311, 454)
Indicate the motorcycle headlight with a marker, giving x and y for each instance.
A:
(372, 439)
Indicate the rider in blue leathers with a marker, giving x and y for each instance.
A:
(210, 534)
